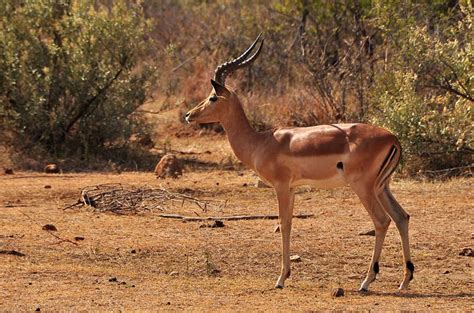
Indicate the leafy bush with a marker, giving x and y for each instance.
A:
(71, 75)
(425, 94)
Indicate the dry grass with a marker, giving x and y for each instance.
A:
(167, 264)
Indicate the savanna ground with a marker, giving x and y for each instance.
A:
(145, 262)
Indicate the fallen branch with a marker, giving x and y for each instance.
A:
(465, 171)
(12, 252)
(229, 218)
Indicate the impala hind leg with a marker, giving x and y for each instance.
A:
(286, 199)
(400, 217)
(381, 222)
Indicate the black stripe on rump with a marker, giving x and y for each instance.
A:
(388, 158)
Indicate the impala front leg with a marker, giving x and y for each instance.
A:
(286, 198)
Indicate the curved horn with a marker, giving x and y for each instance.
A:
(243, 60)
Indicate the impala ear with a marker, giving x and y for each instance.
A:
(220, 89)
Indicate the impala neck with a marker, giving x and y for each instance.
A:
(242, 138)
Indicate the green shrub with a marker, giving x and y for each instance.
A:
(425, 93)
(70, 76)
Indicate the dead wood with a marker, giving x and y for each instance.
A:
(12, 252)
(121, 199)
(463, 171)
(229, 218)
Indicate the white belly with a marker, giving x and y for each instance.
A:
(330, 183)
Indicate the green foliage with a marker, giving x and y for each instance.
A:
(425, 93)
(71, 75)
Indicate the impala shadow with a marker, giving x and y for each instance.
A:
(414, 295)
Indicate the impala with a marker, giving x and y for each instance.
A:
(326, 156)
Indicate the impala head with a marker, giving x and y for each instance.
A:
(216, 105)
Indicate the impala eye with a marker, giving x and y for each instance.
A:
(213, 98)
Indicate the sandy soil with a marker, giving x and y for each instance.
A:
(145, 262)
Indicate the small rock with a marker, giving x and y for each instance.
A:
(47, 187)
(276, 229)
(78, 238)
(215, 271)
(169, 166)
(49, 227)
(133, 251)
(244, 185)
(367, 233)
(467, 252)
(446, 272)
(217, 224)
(8, 171)
(51, 168)
(38, 309)
(337, 292)
(174, 273)
(295, 258)
(113, 279)
(217, 184)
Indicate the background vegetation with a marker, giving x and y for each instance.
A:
(74, 73)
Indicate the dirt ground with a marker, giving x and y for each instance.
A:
(145, 262)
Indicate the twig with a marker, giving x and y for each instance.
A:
(447, 169)
(229, 218)
(187, 60)
(461, 170)
(54, 235)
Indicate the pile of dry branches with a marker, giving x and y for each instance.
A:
(122, 199)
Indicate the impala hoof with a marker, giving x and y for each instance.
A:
(365, 284)
(279, 285)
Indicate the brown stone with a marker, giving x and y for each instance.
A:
(49, 227)
(367, 233)
(337, 292)
(467, 252)
(51, 168)
(169, 166)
